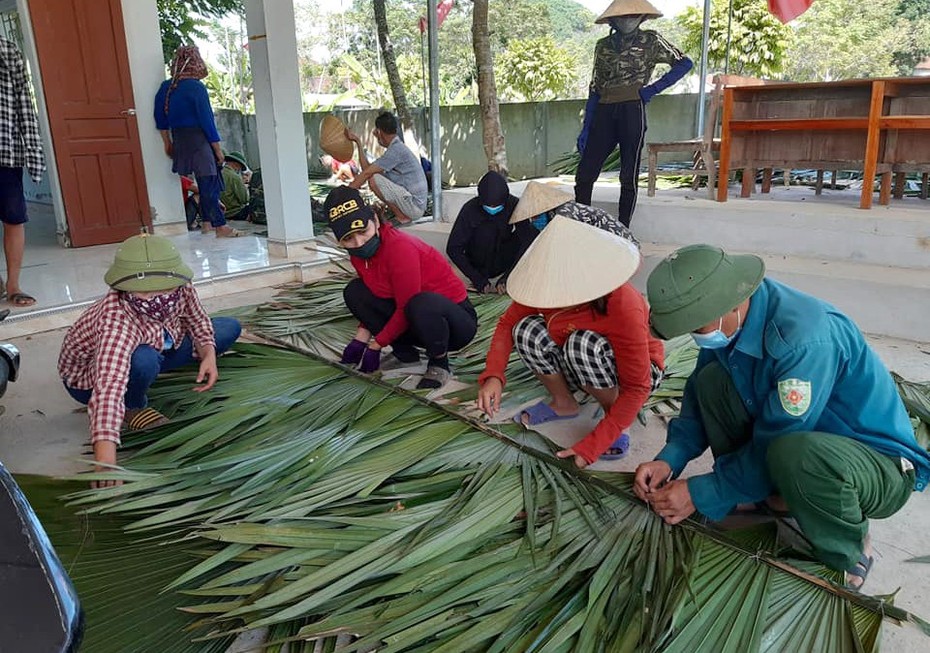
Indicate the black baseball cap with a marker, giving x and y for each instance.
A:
(346, 211)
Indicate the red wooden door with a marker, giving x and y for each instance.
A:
(88, 92)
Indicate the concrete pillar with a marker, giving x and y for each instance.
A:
(279, 121)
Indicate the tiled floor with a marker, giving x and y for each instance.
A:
(58, 276)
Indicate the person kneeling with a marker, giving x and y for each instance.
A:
(578, 324)
(797, 409)
(406, 294)
(151, 321)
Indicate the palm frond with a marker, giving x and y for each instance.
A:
(326, 504)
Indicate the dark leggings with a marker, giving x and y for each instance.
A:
(210, 188)
(622, 124)
(437, 324)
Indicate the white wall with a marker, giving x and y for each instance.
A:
(143, 39)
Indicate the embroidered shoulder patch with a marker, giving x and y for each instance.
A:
(795, 396)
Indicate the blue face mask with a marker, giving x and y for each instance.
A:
(717, 339)
(540, 221)
(492, 210)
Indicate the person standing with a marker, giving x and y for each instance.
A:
(185, 119)
(615, 114)
(20, 146)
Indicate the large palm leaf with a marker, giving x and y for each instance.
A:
(336, 505)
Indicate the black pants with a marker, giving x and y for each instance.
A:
(623, 124)
(437, 324)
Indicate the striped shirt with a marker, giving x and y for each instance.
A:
(98, 348)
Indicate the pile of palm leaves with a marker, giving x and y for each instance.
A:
(301, 497)
(332, 507)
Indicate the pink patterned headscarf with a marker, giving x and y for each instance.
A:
(188, 64)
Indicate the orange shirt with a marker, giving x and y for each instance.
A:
(626, 327)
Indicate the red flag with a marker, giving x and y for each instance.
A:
(442, 11)
(787, 10)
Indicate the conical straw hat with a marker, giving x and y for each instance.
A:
(333, 139)
(571, 263)
(619, 8)
(538, 198)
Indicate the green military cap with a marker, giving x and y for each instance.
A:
(147, 263)
(697, 284)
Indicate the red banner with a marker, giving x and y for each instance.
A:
(787, 10)
(442, 11)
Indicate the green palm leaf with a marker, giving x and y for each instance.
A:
(399, 524)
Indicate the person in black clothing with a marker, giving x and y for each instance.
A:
(483, 244)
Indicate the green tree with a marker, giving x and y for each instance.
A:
(758, 41)
(181, 21)
(535, 69)
(915, 44)
(844, 39)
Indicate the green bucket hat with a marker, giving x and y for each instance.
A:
(696, 285)
(238, 157)
(147, 263)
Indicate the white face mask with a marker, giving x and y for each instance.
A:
(717, 339)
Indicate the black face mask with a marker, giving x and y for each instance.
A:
(367, 250)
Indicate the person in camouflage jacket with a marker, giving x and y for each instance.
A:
(615, 114)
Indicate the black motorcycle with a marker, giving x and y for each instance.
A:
(41, 611)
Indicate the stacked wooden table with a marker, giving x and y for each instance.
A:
(879, 126)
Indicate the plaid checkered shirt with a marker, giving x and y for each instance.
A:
(20, 141)
(98, 349)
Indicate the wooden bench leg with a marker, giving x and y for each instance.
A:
(711, 167)
(899, 180)
(766, 180)
(749, 182)
(818, 187)
(884, 196)
(833, 181)
(653, 164)
(786, 177)
(925, 185)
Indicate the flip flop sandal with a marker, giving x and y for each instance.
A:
(540, 413)
(21, 300)
(147, 418)
(621, 446)
(860, 570)
(230, 233)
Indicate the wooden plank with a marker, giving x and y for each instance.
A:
(800, 124)
(725, 146)
(899, 180)
(871, 145)
(905, 122)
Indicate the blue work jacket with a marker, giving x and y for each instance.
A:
(799, 365)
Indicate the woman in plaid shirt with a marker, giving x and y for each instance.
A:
(150, 322)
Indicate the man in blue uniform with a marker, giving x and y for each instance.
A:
(795, 406)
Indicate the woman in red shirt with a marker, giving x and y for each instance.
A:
(406, 294)
(578, 325)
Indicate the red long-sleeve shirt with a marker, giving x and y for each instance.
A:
(626, 327)
(402, 267)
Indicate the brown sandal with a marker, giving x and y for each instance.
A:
(142, 419)
(228, 232)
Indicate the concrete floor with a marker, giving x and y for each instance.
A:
(45, 432)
